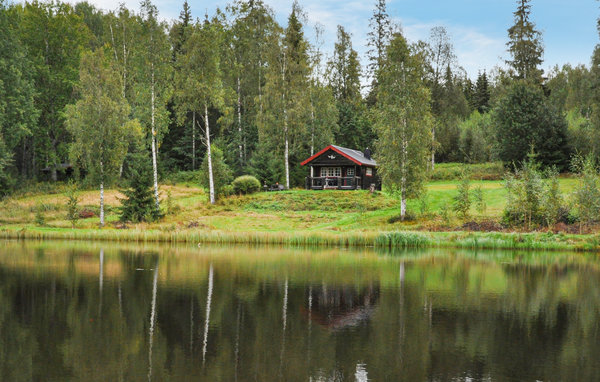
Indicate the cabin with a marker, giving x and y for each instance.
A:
(339, 168)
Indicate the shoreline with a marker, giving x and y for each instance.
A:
(377, 239)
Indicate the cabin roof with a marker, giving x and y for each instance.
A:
(355, 156)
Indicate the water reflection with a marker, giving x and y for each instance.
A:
(88, 313)
(341, 307)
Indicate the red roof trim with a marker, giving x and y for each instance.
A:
(334, 149)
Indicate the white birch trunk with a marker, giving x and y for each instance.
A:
(194, 141)
(207, 320)
(153, 127)
(403, 169)
(152, 321)
(312, 133)
(101, 194)
(433, 149)
(239, 117)
(211, 182)
(286, 152)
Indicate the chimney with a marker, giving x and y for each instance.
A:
(367, 153)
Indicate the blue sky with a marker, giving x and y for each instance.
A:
(477, 27)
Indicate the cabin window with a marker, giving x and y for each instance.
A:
(350, 172)
(369, 171)
(331, 171)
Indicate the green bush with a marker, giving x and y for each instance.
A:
(245, 184)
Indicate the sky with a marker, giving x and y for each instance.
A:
(478, 28)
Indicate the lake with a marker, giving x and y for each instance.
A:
(107, 312)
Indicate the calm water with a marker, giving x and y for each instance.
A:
(100, 312)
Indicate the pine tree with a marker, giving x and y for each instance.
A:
(403, 122)
(525, 45)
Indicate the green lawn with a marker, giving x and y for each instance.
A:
(288, 211)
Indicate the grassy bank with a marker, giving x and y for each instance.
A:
(385, 240)
(298, 217)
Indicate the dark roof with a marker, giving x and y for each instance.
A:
(355, 156)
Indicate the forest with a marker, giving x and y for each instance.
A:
(100, 96)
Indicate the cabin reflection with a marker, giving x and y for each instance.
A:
(340, 307)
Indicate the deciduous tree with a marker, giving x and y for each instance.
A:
(99, 122)
(403, 122)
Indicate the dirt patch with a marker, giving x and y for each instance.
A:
(482, 226)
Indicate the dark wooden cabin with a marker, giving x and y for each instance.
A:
(340, 168)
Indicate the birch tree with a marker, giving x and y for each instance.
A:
(153, 88)
(199, 84)
(285, 118)
(99, 122)
(403, 122)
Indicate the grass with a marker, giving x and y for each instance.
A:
(298, 217)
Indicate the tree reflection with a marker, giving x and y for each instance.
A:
(126, 315)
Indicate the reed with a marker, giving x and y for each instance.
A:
(383, 240)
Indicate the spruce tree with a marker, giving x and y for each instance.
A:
(138, 204)
(481, 99)
(378, 38)
(524, 120)
(525, 45)
(344, 79)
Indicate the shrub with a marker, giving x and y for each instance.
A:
(586, 197)
(245, 184)
(72, 203)
(533, 199)
(462, 201)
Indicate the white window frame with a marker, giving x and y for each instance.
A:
(350, 171)
(369, 171)
(333, 172)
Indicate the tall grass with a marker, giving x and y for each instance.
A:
(383, 240)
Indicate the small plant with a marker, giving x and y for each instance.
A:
(72, 203)
(171, 207)
(245, 184)
(525, 189)
(446, 214)
(39, 219)
(462, 201)
(479, 200)
(424, 203)
(553, 207)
